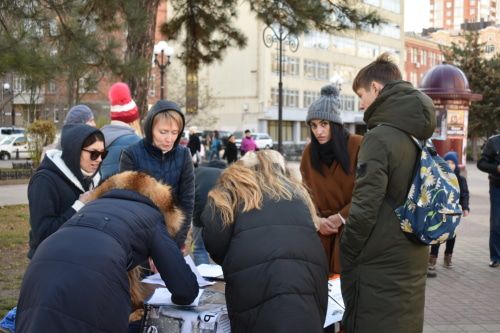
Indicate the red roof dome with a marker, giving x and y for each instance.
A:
(448, 82)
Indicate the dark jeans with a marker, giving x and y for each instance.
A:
(450, 244)
(494, 223)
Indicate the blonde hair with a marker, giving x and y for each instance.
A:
(244, 184)
(136, 126)
(169, 115)
(382, 70)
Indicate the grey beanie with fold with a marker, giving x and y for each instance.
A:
(79, 114)
(326, 107)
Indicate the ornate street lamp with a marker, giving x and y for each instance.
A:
(162, 49)
(279, 34)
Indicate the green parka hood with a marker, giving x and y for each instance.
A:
(402, 106)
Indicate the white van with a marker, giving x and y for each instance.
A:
(14, 146)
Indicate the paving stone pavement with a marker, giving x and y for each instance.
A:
(466, 298)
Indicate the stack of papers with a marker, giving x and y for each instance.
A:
(162, 296)
(210, 271)
(336, 306)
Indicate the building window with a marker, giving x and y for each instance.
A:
(309, 98)
(316, 70)
(51, 87)
(346, 103)
(423, 60)
(344, 45)
(391, 30)
(290, 97)
(317, 39)
(367, 50)
(290, 65)
(391, 5)
(87, 84)
(414, 55)
(305, 132)
(489, 48)
(286, 130)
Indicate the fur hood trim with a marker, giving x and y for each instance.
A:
(160, 194)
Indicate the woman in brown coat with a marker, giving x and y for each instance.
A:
(328, 169)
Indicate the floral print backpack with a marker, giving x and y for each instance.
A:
(431, 211)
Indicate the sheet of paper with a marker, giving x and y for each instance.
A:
(162, 296)
(201, 280)
(336, 306)
(210, 271)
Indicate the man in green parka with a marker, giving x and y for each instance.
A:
(383, 272)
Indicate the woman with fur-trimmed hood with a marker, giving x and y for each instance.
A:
(77, 280)
(259, 225)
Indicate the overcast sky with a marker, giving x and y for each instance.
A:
(416, 15)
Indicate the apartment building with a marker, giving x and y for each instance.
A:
(421, 54)
(450, 14)
(245, 83)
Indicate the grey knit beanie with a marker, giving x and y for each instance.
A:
(326, 107)
(79, 114)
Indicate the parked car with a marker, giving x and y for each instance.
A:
(15, 146)
(238, 135)
(8, 131)
(263, 140)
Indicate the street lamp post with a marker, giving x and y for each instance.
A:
(7, 91)
(162, 49)
(278, 33)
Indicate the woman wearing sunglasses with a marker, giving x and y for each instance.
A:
(60, 186)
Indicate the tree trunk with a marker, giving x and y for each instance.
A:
(140, 44)
(191, 90)
(475, 150)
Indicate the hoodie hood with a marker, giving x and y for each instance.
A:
(114, 131)
(402, 106)
(72, 138)
(161, 106)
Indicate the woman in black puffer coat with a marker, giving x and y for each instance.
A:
(77, 280)
(258, 224)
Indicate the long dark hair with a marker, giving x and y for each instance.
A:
(338, 142)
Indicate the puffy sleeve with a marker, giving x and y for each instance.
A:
(216, 236)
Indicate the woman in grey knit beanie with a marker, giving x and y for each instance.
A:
(328, 169)
(80, 114)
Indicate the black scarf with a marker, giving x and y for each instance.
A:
(326, 153)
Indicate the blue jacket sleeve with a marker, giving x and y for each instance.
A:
(173, 269)
(46, 216)
(186, 197)
(216, 236)
(126, 161)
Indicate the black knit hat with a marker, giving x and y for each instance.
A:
(326, 107)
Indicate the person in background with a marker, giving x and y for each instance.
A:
(205, 175)
(123, 129)
(80, 114)
(231, 151)
(160, 155)
(61, 184)
(383, 272)
(258, 224)
(194, 145)
(490, 163)
(215, 147)
(247, 143)
(452, 158)
(328, 169)
(78, 282)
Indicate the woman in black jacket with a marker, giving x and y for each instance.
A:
(61, 184)
(231, 152)
(77, 281)
(258, 224)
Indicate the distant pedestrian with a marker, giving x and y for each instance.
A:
(258, 224)
(452, 158)
(490, 163)
(247, 143)
(215, 147)
(61, 184)
(160, 155)
(231, 151)
(123, 130)
(80, 114)
(383, 272)
(78, 282)
(194, 145)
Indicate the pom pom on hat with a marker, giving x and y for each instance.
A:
(326, 107)
(123, 107)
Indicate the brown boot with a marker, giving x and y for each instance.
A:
(447, 261)
(432, 262)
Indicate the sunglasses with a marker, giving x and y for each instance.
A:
(94, 154)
